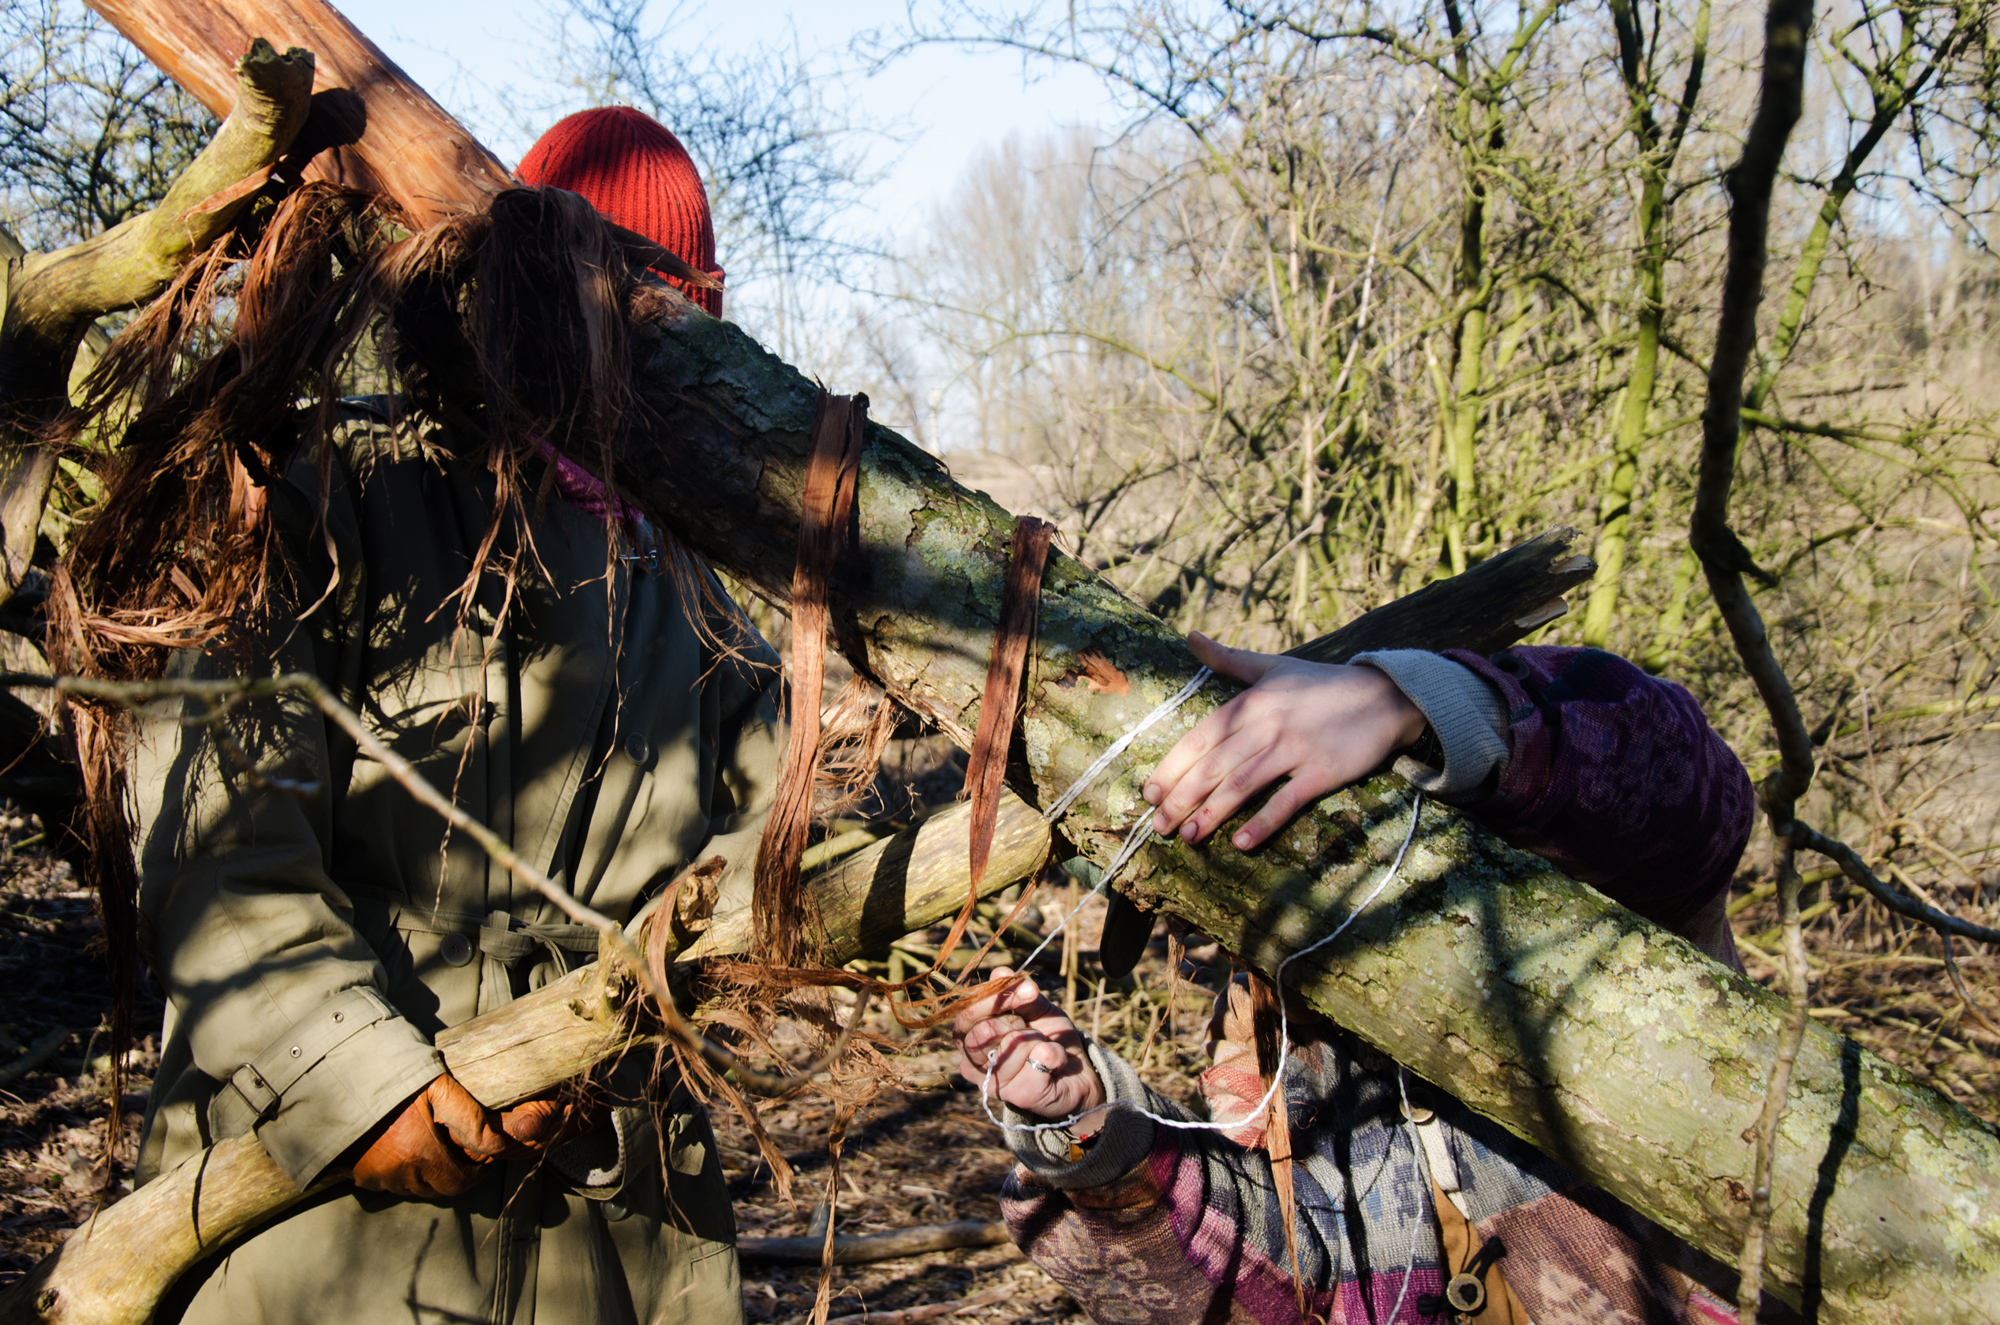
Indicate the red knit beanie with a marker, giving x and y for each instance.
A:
(638, 175)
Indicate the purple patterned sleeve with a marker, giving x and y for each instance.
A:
(1616, 778)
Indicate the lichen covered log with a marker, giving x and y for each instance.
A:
(1610, 1044)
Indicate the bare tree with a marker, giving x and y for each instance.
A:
(783, 161)
(90, 132)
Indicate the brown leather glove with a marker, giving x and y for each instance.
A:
(539, 1124)
(439, 1144)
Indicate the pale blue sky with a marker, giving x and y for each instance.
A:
(949, 103)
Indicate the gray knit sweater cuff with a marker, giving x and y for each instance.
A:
(1468, 714)
(594, 1161)
(1123, 1143)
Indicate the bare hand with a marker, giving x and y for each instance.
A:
(1322, 725)
(1040, 1067)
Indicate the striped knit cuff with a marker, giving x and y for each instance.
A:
(1120, 1146)
(1468, 715)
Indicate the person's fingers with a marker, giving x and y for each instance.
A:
(1037, 1082)
(439, 1174)
(1258, 770)
(415, 1156)
(472, 1127)
(1000, 1058)
(1219, 777)
(1307, 784)
(1237, 664)
(975, 1042)
(1034, 1075)
(536, 1123)
(1189, 750)
(1010, 994)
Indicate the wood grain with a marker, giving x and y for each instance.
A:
(374, 128)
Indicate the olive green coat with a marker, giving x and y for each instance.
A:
(310, 947)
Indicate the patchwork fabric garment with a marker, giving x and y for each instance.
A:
(1611, 774)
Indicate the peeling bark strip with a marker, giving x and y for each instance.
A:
(1609, 1043)
(777, 908)
(1001, 696)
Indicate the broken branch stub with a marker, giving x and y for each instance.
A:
(49, 302)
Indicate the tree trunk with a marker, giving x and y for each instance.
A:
(1609, 1043)
(1612, 1045)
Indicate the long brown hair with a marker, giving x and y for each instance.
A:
(522, 317)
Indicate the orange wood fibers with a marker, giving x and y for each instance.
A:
(777, 904)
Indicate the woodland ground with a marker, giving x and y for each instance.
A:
(911, 1157)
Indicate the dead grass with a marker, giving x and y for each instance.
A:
(1881, 979)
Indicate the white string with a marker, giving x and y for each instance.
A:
(1424, 1186)
(1122, 744)
(1133, 841)
(1284, 1022)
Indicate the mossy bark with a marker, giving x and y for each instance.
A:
(1611, 1044)
(49, 301)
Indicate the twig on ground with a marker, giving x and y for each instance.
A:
(38, 1053)
(870, 1247)
(1964, 994)
(914, 1315)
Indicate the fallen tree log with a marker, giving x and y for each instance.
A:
(1610, 1044)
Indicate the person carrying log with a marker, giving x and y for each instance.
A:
(1368, 1195)
(502, 618)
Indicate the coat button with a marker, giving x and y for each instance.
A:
(638, 749)
(456, 949)
(1466, 1293)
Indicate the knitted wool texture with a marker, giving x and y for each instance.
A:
(635, 172)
